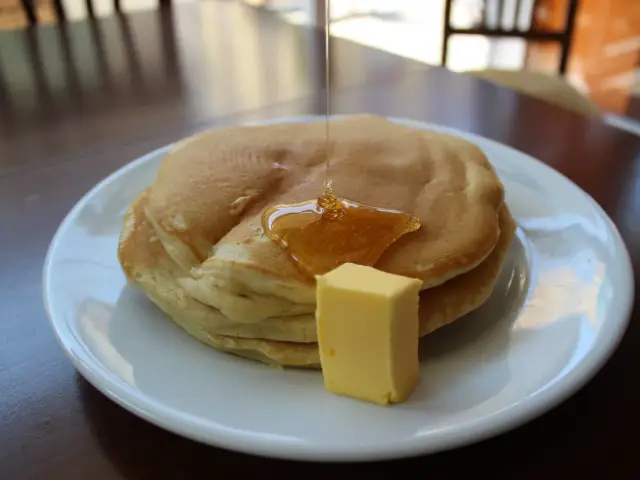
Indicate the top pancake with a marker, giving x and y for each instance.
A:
(206, 203)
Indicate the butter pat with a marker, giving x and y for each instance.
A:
(368, 329)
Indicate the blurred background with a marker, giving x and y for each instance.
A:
(602, 41)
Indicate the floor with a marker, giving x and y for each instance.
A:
(410, 28)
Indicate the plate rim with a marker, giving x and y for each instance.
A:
(465, 433)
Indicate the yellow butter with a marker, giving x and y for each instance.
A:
(367, 324)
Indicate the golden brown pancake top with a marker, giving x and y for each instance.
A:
(211, 191)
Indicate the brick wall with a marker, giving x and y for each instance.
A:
(12, 15)
(605, 52)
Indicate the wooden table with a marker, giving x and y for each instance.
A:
(78, 102)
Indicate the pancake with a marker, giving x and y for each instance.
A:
(439, 306)
(204, 211)
(193, 240)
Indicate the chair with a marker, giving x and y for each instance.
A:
(30, 11)
(532, 34)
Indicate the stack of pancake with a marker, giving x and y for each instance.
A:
(193, 240)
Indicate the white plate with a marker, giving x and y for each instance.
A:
(557, 313)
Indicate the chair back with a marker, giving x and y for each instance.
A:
(491, 23)
(30, 10)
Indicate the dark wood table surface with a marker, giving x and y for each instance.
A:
(78, 102)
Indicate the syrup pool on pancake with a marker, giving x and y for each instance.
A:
(324, 233)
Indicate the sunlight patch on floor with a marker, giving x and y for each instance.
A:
(411, 29)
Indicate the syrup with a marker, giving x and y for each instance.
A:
(327, 84)
(324, 233)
